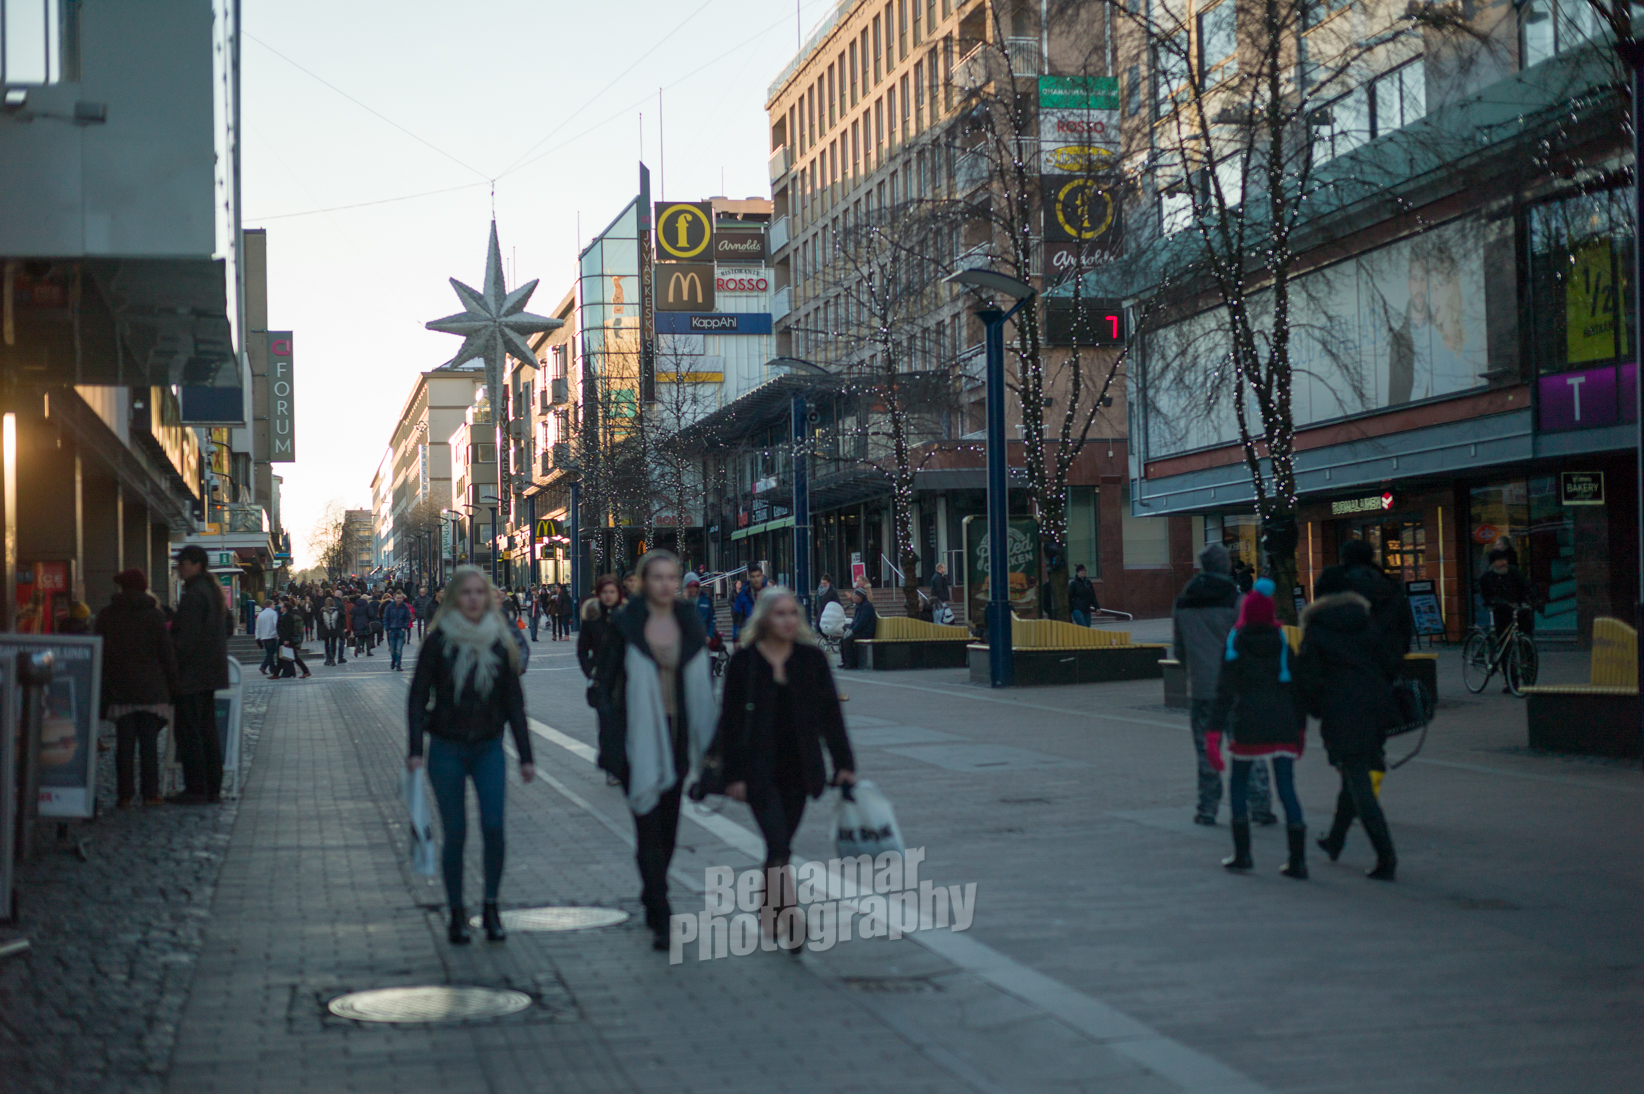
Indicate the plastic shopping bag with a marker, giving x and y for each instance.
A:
(424, 856)
(864, 822)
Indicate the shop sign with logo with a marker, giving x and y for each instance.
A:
(740, 281)
(684, 231)
(1378, 504)
(1080, 210)
(719, 323)
(733, 244)
(1581, 487)
(1078, 142)
(1486, 533)
(1083, 93)
(282, 403)
(1588, 398)
(684, 286)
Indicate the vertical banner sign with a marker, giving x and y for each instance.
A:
(647, 292)
(282, 418)
(1078, 125)
(1023, 555)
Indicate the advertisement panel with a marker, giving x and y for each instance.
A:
(1078, 93)
(684, 286)
(1588, 398)
(1078, 142)
(1079, 209)
(742, 281)
(684, 231)
(1024, 566)
(68, 731)
(719, 323)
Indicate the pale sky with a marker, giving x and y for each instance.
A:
(544, 97)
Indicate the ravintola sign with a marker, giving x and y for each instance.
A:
(684, 231)
(684, 286)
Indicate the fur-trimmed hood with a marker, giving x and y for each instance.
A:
(591, 608)
(1338, 611)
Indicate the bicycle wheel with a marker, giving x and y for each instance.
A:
(1523, 664)
(1476, 669)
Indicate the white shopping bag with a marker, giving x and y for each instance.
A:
(424, 857)
(864, 823)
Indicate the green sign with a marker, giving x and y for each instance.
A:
(1079, 92)
(1023, 553)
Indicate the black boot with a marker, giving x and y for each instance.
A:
(1297, 866)
(1332, 843)
(458, 931)
(492, 921)
(1241, 847)
(1387, 859)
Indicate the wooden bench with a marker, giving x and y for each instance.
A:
(1600, 717)
(902, 642)
(1048, 651)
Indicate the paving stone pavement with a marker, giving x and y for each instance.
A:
(92, 1006)
(1109, 953)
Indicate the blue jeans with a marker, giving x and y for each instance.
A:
(450, 764)
(271, 653)
(1284, 779)
(396, 645)
(1080, 617)
(534, 618)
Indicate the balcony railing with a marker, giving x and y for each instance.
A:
(983, 65)
(779, 163)
(779, 234)
(1025, 58)
(781, 303)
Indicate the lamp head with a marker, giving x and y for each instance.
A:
(980, 277)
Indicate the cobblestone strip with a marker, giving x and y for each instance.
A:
(93, 1005)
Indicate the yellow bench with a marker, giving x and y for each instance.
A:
(1048, 651)
(905, 628)
(1053, 634)
(1599, 717)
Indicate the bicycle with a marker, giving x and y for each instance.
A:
(1514, 656)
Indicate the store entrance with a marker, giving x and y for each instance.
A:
(1399, 540)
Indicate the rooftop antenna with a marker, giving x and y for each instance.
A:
(661, 148)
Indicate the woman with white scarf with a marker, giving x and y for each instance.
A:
(466, 688)
(658, 716)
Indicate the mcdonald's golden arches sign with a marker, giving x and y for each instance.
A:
(684, 286)
(684, 231)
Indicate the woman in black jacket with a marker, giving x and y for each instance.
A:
(1254, 689)
(139, 680)
(565, 606)
(331, 626)
(466, 688)
(596, 621)
(1344, 676)
(780, 705)
(290, 631)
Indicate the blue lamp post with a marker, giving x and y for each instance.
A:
(1001, 662)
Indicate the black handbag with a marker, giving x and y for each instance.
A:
(1416, 708)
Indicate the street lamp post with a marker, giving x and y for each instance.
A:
(1001, 659)
(800, 428)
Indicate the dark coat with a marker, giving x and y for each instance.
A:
(396, 616)
(1252, 687)
(827, 596)
(865, 621)
(747, 738)
(139, 665)
(337, 629)
(596, 621)
(627, 628)
(199, 636)
(462, 716)
(1389, 607)
(1344, 677)
(940, 589)
(290, 628)
(564, 605)
(361, 618)
(1081, 596)
(1204, 613)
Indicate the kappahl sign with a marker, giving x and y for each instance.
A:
(282, 424)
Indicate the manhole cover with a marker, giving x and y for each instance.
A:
(564, 918)
(428, 1004)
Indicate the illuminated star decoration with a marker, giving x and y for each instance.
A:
(494, 322)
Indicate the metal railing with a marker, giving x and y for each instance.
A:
(779, 234)
(779, 163)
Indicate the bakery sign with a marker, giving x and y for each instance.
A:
(742, 281)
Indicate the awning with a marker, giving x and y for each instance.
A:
(768, 526)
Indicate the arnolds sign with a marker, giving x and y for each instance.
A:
(733, 244)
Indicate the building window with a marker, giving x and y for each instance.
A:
(853, 73)
(902, 29)
(1133, 91)
(918, 95)
(39, 42)
(877, 52)
(1390, 101)
(1218, 43)
(832, 97)
(1580, 293)
(1083, 546)
(1170, 72)
(1550, 27)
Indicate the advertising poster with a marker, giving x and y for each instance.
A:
(68, 733)
(1024, 567)
(1424, 606)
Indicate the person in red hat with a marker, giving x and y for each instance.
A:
(1254, 688)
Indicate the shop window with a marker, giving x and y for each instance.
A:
(1083, 547)
(1527, 518)
(1551, 27)
(1146, 540)
(1580, 289)
(1240, 533)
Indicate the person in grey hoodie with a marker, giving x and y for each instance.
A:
(1203, 615)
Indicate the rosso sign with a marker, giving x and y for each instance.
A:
(741, 284)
